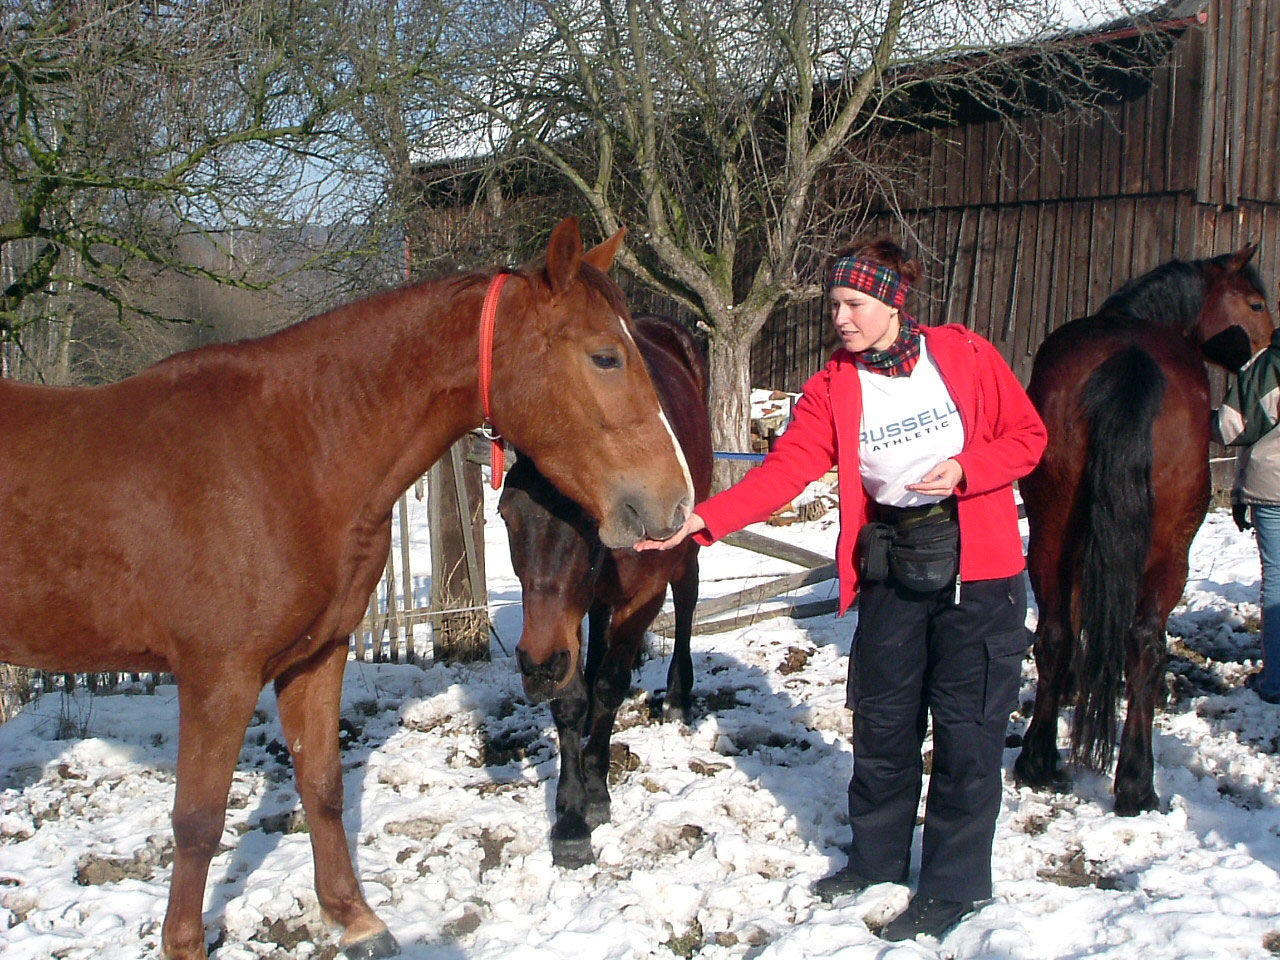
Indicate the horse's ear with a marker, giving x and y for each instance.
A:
(564, 254)
(1241, 257)
(602, 256)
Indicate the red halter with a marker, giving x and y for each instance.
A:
(488, 317)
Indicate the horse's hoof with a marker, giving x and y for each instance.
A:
(1038, 777)
(598, 812)
(571, 853)
(1132, 806)
(571, 842)
(373, 948)
(674, 711)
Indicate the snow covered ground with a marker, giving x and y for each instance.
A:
(718, 829)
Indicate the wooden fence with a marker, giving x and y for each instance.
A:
(388, 631)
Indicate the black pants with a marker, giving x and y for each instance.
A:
(919, 654)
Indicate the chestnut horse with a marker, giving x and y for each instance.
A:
(1114, 503)
(225, 514)
(566, 572)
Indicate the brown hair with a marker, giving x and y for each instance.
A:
(882, 250)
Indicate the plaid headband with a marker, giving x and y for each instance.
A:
(883, 283)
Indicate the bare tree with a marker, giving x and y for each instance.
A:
(722, 132)
(127, 128)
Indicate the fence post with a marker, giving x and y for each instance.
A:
(392, 616)
(406, 580)
(456, 520)
(369, 623)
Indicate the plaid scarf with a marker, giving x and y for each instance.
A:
(883, 283)
(899, 358)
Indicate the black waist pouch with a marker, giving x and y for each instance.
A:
(874, 541)
(925, 556)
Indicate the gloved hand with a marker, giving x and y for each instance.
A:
(1240, 514)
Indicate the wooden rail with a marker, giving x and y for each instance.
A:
(818, 569)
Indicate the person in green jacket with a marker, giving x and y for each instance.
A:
(1247, 420)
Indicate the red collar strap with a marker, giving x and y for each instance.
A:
(488, 318)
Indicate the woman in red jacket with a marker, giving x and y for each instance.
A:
(929, 428)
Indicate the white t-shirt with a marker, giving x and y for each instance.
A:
(909, 424)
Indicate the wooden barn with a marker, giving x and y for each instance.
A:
(1025, 224)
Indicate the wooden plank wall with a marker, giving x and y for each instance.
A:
(1143, 145)
(1015, 272)
(1239, 134)
(1022, 229)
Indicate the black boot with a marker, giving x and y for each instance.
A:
(926, 915)
(845, 880)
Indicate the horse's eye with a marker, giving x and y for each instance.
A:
(1258, 306)
(606, 360)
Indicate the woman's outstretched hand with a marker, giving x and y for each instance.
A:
(692, 525)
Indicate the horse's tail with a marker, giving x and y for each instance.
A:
(1120, 402)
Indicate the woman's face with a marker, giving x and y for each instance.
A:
(862, 321)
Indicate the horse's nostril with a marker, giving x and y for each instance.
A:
(557, 666)
(550, 671)
(682, 511)
(631, 516)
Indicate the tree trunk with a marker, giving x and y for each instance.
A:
(64, 331)
(729, 359)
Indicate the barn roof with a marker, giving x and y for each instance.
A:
(1132, 41)
(1045, 74)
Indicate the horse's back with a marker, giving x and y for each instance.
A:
(1122, 357)
(73, 529)
(1072, 354)
(156, 493)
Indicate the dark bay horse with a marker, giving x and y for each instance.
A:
(566, 573)
(225, 514)
(1114, 504)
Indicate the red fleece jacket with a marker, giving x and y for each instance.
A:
(1004, 438)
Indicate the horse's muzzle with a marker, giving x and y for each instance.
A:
(1230, 348)
(542, 681)
(638, 517)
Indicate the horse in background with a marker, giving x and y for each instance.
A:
(225, 514)
(1114, 504)
(566, 572)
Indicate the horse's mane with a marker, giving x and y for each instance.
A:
(600, 282)
(594, 279)
(1172, 293)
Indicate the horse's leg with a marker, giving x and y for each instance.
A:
(213, 713)
(1135, 766)
(612, 681)
(1146, 657)
(600, 640)
(678, 704)
(570, 835)
(309, 697)
(1146, 653)
(1039, 765)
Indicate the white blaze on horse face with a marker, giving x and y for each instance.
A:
(666, 424)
